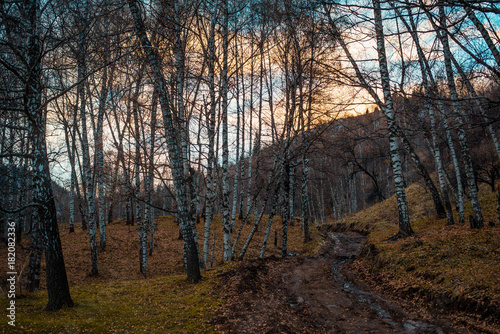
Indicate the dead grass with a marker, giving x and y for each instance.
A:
(450, 267)
(119, 299)
(167, 304)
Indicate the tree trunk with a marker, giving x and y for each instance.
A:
(149, 213)
(191, 258)
(211, 139)
(57, 281)
(404, 217)
(477, 221)
(87, 167)
(486, 36)
(438, 204)
(226, 214)
(142, 233)
(35, 259)
(99, 148)
(428, 106)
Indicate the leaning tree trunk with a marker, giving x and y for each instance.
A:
(477, 100)
(428, 106)
(191, 258)
(477, 219)
(486, 36)
(404, 217)
(438, 204)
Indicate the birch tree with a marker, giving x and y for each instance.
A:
(226, 214)
(387, 107)
(477, 220)
(191, 258)
(28, 68)
(211, 135)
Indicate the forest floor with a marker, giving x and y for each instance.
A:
(443, 280)
(317, 294)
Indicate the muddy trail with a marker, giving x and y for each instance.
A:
(315, 295)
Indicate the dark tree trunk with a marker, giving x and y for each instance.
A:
(57, 281)
(35, 259)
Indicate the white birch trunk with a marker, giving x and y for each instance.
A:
(477, 220)
(87, 167)
(211, 138)
(237, 161)
(404, 217)
(191, 257)
(226, 214)
(428, 91)
(57, 282)
(149, 213)
(142, 234)
(486, 36)
(99, 148)
(387, 107)
(250, 137)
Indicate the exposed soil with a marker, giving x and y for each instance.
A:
(315, 295)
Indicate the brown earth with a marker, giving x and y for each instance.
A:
(120, 260)
(298, 294)
(315, 295)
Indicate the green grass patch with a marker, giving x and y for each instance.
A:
(168, 304)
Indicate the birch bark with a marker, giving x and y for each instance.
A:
(142, 233)
(99, 148)
(211, 139)
(477, 219)
(428, 106)
(387, 107)
(191, 257)
(57, 282)
(226, 214)
(404, 217)
(87, 167)
(486, 36)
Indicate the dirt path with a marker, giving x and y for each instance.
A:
(314, 295)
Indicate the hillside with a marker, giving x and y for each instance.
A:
(451, 270)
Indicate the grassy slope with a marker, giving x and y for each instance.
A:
(118, 300)
(448, 267)
(159, 305)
